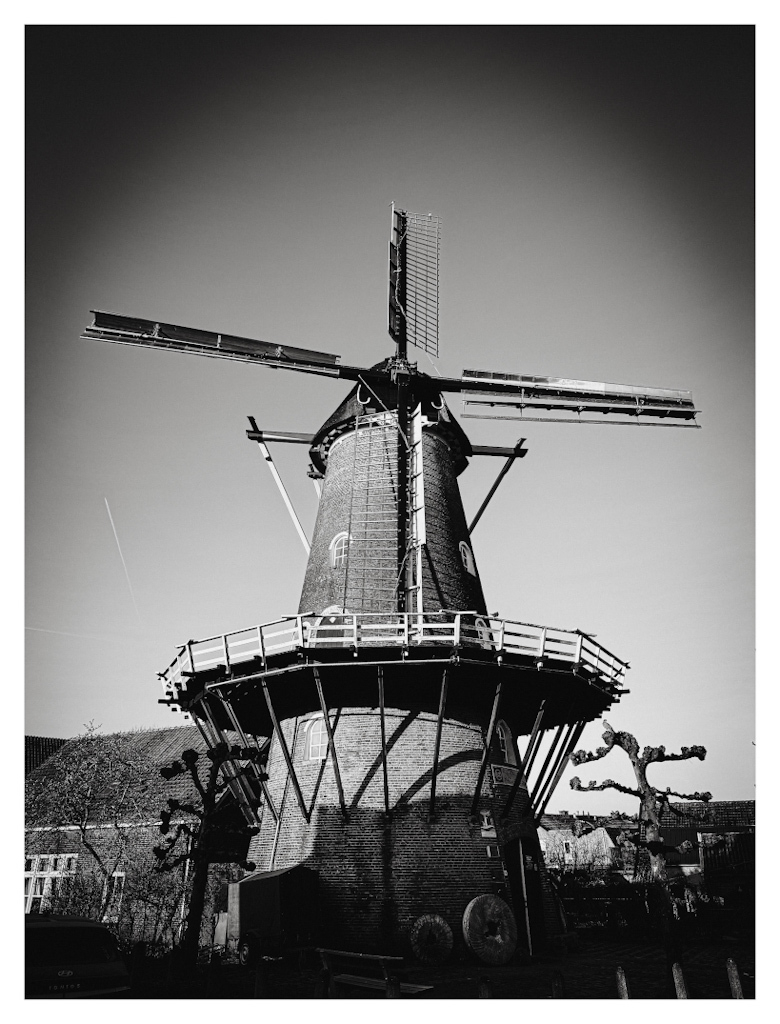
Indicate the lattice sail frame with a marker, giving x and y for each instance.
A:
(414, 279)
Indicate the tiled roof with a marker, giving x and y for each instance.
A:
(565, 822)
(727, 815)
(552, 822)
(37, 749)
(157, 747)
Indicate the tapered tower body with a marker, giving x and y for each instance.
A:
(392, 836)
(362, 559)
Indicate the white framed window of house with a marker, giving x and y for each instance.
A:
(113, 891)
(316, 742)
(339, 549)
(43, 874)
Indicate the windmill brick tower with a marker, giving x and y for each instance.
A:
(414, 739)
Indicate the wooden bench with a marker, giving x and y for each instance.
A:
(335, 961)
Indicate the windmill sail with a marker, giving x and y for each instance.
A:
(413, 314)
(126, 330)
(508, 396)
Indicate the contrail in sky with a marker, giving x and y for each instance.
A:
(127, 574)
(90, 636)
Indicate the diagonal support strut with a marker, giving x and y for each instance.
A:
(381, 685)
(518, 453)
(331, 741)
(486, 751)
(525, 763)
(437, 742)
(285, 753)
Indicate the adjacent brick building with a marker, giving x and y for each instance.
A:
(61, 866)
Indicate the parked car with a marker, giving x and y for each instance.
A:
(71, 958)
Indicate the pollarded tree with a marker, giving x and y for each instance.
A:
(191, 831)
(652, 800)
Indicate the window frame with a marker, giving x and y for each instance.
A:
(338, 550)
(506, 743)
(44, 875)
(116, 884)
(467, 557)
(318, 751)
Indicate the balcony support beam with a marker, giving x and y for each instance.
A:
(285, 753)
(437, 741)
(256, 769)
(236, 783)
(571, 742)
(524, 763)
(556, 740)
(486, 751)
(331, 742)
(382, 727)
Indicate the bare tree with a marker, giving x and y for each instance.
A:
(191, 832)
(652, 803)
(102, 786)
(652, 800)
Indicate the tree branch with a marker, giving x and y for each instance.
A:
(654, 755)
(702, 797)
(575, 783)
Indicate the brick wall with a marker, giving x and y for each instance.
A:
(150, 909)
(446, 582)
(375, 482)
(379, 873)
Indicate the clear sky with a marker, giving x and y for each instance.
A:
(595, 189)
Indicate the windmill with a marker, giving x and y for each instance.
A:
(394, 701)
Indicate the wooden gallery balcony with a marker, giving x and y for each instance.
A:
(288, 659)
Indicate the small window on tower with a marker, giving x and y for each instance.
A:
(316, 740)
(506, 743)
(467, 558)
(339, 547)
(488, 825)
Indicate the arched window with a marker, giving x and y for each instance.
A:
(316, 748)
(507, 743)
(467, 558)
(339, 547)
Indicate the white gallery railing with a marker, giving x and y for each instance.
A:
(405, 630)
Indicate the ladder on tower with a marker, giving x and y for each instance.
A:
(416, 513)
(371, 577)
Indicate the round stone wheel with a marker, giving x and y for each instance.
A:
(431, 939)
(489, 929)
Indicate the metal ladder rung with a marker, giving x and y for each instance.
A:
(372, 561)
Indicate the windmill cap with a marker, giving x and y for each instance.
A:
(381, 395)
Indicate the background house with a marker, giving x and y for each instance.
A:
(715, 845)
(93, 819)
(583, 842)
(708, 844)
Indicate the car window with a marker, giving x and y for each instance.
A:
(52, 946)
